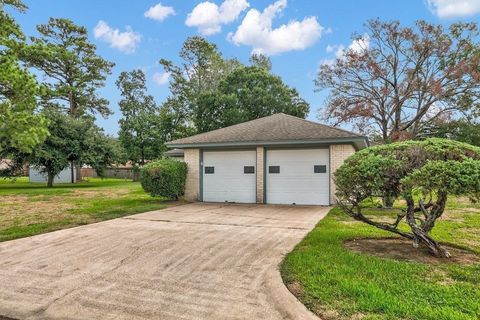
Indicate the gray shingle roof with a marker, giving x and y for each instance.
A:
(274, 129)
(174, 153)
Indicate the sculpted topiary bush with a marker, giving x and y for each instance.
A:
(164, 178)
(423, 173)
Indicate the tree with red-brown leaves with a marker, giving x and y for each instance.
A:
(394, 80)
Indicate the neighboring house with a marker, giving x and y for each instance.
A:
(279, 159)
(8, 164)
(177, 154)
(65, 176)
(5, 164)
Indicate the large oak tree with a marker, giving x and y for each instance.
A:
(398, 79)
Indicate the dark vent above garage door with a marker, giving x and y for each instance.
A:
(248, 169)
(209, 170)
(320, 169)
(274, 169)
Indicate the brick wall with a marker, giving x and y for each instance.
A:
(260, 183)
(338, 154)
(192, 184)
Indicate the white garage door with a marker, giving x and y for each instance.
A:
(229, 176)
(298, 176)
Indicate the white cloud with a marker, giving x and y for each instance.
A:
(209, 17)
(159, 12)
(454, 8)
(161, 78)
(330, 48)
(126, 41)
(356, 46)
(360, 44)
(256, 30)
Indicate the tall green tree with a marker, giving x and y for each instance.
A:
(201, 69)
(141, 132)
(245, 94)
(261, 61)
(73, 69)
(209, 92)
(461, 130)
(21, 127)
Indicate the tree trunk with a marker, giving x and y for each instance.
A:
(50, 178)
(420, 236)
(72, 171)
(388, 201)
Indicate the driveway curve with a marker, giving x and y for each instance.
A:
(195, 261)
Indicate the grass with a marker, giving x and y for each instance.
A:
(31, 208)
(340, 284)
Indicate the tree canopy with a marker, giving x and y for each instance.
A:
(21, 127)
(141, 131)
(74, 70)
(209, 91)
(395, 80)
(247, 93)
(70, 139)
(460, 130)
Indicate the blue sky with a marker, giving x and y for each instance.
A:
(297, 34)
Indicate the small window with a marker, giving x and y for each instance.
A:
(248, 169)
(320, 169)
(209, 170)
(273, 169)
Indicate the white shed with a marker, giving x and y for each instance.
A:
(64, 176)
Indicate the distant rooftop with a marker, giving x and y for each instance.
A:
(174, 153)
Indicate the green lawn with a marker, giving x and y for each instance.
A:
(30, 208)
(339, 284)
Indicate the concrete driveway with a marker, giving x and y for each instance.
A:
(195, 261)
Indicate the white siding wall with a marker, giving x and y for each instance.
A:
(63, 177)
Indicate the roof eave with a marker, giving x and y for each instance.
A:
(359, 142)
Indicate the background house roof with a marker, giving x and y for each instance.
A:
(275, 129)
(174, 153)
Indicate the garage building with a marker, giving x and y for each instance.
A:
(279, 159)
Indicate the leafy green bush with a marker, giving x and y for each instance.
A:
(423, 173)
(164, 178)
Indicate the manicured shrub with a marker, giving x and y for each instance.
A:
(423, 173)
(164, 178)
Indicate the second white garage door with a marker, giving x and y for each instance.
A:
(229, 176)
(299, 176)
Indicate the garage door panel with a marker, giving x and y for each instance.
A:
(297, 181)
(229, 182)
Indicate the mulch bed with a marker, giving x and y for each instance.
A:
(401, 249)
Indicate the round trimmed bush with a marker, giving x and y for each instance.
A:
(164, 178)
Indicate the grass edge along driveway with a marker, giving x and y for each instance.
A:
(28, 209)
(336, 283)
